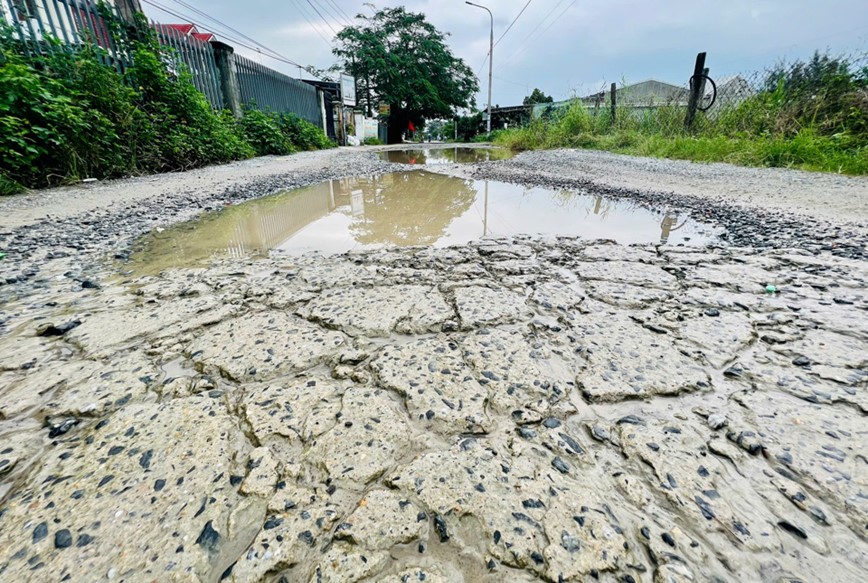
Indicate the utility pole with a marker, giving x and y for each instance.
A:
(490, 60)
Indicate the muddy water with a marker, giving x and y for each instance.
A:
(405, 209)
(437, 156)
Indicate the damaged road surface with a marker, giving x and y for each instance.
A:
(514, 408)
(508, 410)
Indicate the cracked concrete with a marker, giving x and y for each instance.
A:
(503, 411)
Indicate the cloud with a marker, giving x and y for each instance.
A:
(562, 46)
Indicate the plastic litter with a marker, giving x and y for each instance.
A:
(2, 255)
(770, 289)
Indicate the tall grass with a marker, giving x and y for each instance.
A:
(811, 115)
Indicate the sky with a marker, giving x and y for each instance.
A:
(563, 47)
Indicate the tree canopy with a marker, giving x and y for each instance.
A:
(399, 58)
(537, 96)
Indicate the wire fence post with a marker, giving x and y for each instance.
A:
(696, 86)
(614, 91)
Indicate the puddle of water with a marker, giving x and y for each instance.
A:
(441, 156)
(404, 209)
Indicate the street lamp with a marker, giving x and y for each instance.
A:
(490, 60)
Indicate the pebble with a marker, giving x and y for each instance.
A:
(62, 539)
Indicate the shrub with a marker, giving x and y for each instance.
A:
(369, 141)
(811, 114)
(67, 115)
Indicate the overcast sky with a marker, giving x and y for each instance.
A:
(564, 47)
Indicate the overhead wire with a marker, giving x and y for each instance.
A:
(269, 53)
(341, 17)
(303, 11)
(511, 24)
(342, 11)
(530, 39)
(224, 25)
(327, 23)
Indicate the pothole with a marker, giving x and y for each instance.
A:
(443, 156)
(404, 209)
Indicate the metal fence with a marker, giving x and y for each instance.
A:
(828, 92)
(42, 26)
(269, 90)
(194, 54)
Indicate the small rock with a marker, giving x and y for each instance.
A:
(560, 465)
(62, 539)
(717, 420)
(50, 329)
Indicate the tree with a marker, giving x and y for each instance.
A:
(401, 59)
(537, 96)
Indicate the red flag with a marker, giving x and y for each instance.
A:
(410, 127)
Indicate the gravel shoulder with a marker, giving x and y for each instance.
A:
(830, 197)
(74, 200)
(843, 199)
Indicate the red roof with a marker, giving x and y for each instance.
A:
(184, 28)
(203, 36)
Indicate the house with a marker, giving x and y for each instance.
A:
(186, 30)
(731, 91)
(640, 96)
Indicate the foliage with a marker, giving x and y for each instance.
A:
(68, 115)
(811, 115)
(468, 127)
(537, 96)
(406, 63)
(371, 141)
(302, 134)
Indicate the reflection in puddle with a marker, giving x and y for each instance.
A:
(403, 209)
(439, 156)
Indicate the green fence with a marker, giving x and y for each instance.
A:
(267, 89)
(198, 57)
(41, 26)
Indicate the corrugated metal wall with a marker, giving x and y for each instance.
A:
(267, 89)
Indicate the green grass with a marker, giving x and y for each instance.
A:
(810, 115)
(805, 150)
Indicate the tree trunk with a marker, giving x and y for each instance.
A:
(397, 124)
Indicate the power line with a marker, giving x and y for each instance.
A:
(326, 7)
(511, 24)
(223, 24)
(340, 16)
(341, 10)
(321, 16)
(529, 41)
(304, 13)
(184, 17)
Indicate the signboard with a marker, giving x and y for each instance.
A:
(348, 90)
(385, 109)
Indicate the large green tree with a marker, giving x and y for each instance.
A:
(537, 96)
(400, 59)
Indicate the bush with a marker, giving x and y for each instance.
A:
(281, 133)
(369, 141)
(811, 115)
(67, 116)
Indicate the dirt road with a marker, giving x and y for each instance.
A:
(508, 410)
